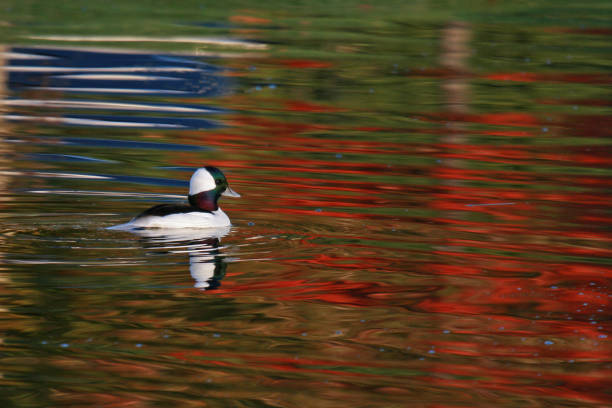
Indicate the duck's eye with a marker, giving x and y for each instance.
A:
(218, 181)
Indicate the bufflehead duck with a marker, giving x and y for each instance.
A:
(205, 187)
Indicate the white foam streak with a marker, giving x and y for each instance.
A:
(70, 175)
(52, 69)
(225, 42)
(108, 90)
(22, 55)
(108, 194)
(118, 77)
(58, 103)
(87, 122)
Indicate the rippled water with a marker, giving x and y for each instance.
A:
(424, 218)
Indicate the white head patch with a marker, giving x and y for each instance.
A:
(201, 181)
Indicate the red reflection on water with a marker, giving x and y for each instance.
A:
(301, 106)
(582, 30)
(276, 362)
(575, 102)
(578, 78)
(514, 119)
(347, 293)
(551, 77)
(305, 63)
(513, 244)
(587, 388)
(249, 20)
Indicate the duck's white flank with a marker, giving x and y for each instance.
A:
(196, 219)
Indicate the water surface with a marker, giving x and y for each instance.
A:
(424, 217)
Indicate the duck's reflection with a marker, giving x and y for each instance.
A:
(207, 262)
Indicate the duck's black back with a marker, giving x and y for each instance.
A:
(167, 209)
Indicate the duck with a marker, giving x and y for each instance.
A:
(206, 186)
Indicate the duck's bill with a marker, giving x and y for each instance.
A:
(230, 193)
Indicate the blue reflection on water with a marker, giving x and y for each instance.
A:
(109, 76)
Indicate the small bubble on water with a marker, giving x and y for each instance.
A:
(250, 223)
(554, 287)
(44, 342)
(64, 345)
(338, 332)
(549, 342)
(304, 334)
(544, 129)
(338, 155)
(318, 210)
(216, 335)
(272, 86)
(431, 351)
(138, 345)
(446, 331)
(381, 349)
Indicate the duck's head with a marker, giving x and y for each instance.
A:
(206, 186)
